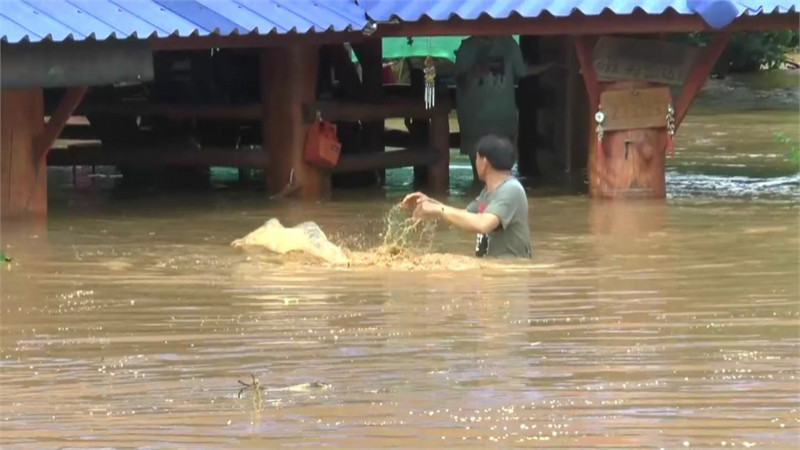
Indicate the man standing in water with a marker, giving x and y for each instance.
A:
(487, 69)
(499, 215)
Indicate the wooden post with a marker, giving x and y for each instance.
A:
(529, 102)
(288, 80)
(69, 101)
(576, 110)
(439, 172)
(632, 162)
(418, 129)
(370, 56)
(23, 175)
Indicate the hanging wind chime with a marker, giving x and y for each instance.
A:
(430, 79)
(599, 117)
(670, 129)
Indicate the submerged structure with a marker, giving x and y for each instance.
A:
(238, 83)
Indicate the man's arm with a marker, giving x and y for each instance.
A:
(498, 213)
(468, 221)
(459, 218)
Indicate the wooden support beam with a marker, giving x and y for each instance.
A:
(583, 50)
(98, 155)
(386, 160)
(418, 129)
(334, 110)
(573, 120)
(699, 75)
(370, 57)
(579, 24)
(352, 111)
(77, 132)
(44, 140)
(140, 108)
(439, 172)
(23, 188)
(629, 163)
(529, 102)
(289, 80)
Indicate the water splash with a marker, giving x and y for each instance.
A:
(404, 234)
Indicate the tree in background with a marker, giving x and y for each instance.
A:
(750, 51)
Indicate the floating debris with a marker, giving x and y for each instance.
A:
(255, 386)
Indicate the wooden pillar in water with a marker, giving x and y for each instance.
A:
(576, 109)
(630, 163)
(288, 80)
(370, 56)
(418, 129)
(528, 103)
(26, 141)
(23, 179)
(439, 172)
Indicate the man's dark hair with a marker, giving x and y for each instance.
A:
(498, 150)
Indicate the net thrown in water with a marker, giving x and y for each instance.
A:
(403, 237)
(306, 237)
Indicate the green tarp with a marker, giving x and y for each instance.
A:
(439, 47)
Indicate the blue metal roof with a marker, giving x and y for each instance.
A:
(716, 12)
(57, 20)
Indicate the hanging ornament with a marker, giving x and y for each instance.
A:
(430, 79)
(599, 117)
(670, 129)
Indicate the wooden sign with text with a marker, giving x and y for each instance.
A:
(643, 60)
(634, 109)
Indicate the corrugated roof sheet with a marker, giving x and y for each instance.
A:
(712, 11)
(57, 20)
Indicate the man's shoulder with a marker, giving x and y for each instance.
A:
(512, 186)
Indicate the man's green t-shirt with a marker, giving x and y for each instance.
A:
(512, 237)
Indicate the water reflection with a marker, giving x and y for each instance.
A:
(637, 324)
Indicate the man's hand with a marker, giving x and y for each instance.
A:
(428, 209)
(413, 199)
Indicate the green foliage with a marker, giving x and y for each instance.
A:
(749, 51)
(793, 153)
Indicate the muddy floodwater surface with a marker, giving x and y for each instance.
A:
(129, 322)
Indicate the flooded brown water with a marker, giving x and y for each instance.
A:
(128, 322)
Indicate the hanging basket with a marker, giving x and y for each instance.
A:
(322, 145)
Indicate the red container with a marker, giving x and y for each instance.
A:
(322, 145)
